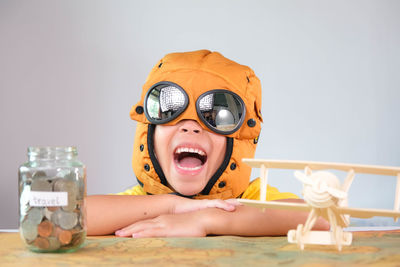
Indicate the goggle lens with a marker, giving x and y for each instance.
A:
(164, 102)
(222, 111)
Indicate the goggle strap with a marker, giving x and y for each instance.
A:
(221, 169)
(160, 173)
(153, 158)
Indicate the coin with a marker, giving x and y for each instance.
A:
(56, 231)
(82, 187)
(76, 229)
(35, 215)
(62, 185)
(65, 237)
(71, 204)
(39, 174)
(54, 243)
(29, 230)
(41, 184)
(47, 213)
(52, 208)
(42, 243)
(45, 228)
(55, 216)
(67, 220)
(81, 220)
(78, 238)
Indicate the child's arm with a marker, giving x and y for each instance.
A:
(251, 221)
(244, 221)
(108, 213)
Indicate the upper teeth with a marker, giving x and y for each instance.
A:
(191, 150)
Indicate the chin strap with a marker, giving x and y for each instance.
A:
(221, 169)
(153, 187)
(150, 147)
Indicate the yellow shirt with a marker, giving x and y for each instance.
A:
(252, 192)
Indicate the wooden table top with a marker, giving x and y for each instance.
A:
(368, 248)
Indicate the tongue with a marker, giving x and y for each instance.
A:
(190, 162)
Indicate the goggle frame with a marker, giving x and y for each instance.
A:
(198, 110)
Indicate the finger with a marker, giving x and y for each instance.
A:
(136, 227)
(234, 202)
(122, 233)
(153, 232)
(221, 204)
(126, 232)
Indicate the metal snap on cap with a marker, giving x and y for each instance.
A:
(251, 123)
(147, 167)
(139, 110)
(233, 166)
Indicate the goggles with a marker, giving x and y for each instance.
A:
(222, 111)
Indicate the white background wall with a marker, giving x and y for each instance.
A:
(71, 70)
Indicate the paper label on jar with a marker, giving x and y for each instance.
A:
(48, 199)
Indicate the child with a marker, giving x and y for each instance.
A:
(199, 115)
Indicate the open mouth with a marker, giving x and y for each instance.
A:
(190, 159)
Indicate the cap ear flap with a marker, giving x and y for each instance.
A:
(137, 113)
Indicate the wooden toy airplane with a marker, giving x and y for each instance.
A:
(324, 196)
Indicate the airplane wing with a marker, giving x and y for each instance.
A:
(290, 206)
(300, 165)
(276, 205)
(368, 213)
(353, 212)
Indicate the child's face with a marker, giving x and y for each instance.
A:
(188, 155)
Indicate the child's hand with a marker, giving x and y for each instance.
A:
(168, 225)
(185, 205)
(182, 220)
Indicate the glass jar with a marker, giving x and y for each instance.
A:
(52, 188)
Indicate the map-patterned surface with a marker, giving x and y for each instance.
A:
(368, 248)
